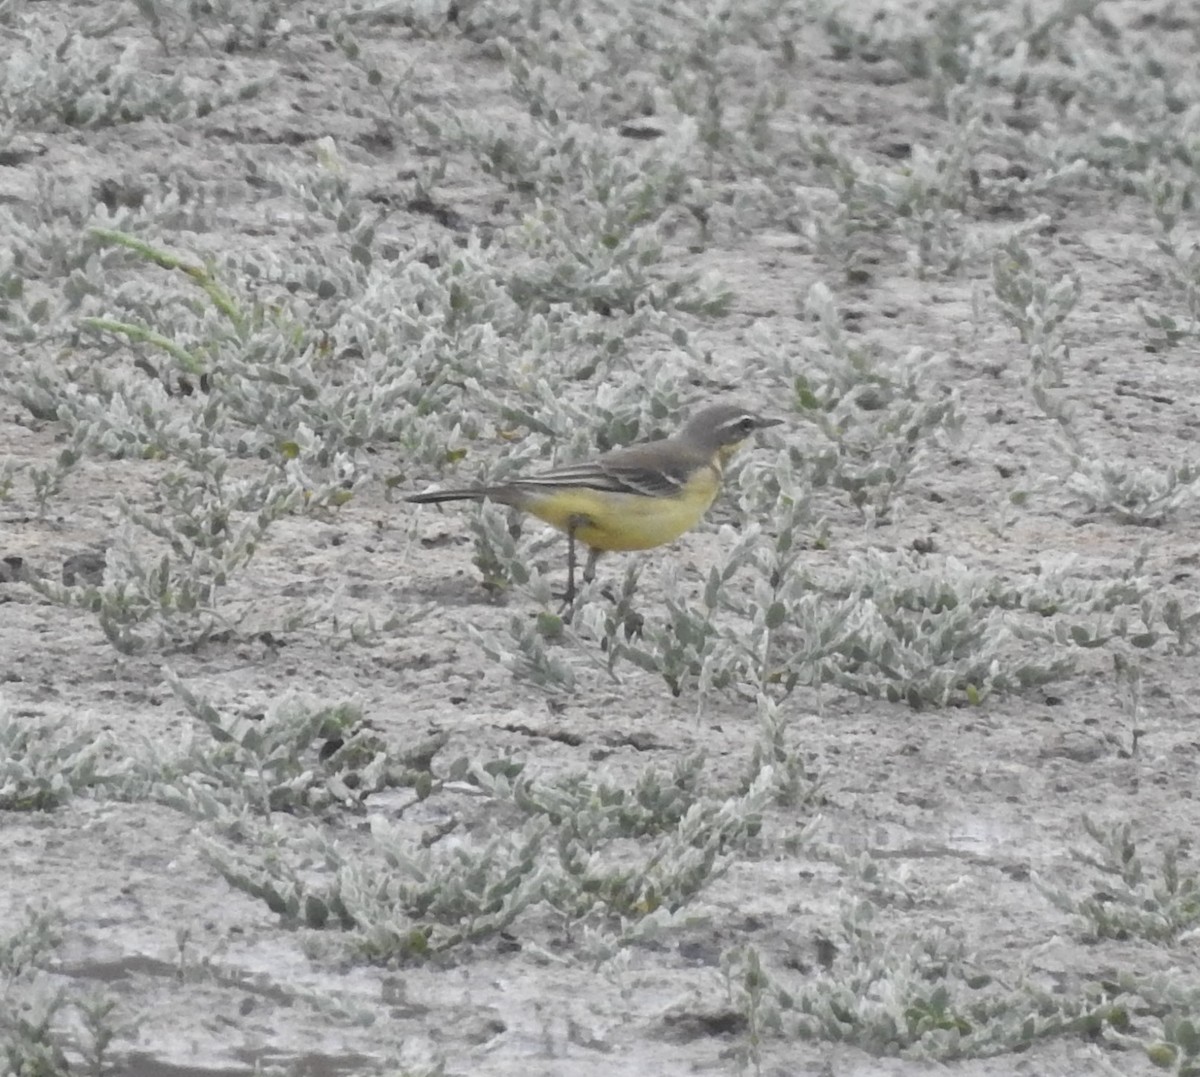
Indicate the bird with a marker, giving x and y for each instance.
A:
(633, 498)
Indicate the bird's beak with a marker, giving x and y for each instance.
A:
(764, 423)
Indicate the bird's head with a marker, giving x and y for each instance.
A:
(722, 428)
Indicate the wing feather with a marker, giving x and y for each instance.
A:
(623, 472)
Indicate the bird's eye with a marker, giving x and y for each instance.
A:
(748, 425)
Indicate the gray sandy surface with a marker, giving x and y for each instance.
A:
(945, 822)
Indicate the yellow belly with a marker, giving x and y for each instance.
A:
(618, 521)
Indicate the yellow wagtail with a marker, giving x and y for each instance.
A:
(633, 498)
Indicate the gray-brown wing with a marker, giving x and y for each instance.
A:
(653, 470)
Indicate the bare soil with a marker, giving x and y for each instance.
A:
(969, 806)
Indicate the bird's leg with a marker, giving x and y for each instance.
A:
(569, 598)
(589, 573)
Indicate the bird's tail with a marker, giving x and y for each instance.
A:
(467, 493)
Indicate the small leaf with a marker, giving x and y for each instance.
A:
(1161, 1054)
(316, 912)
(713, 589)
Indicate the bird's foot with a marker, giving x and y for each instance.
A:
(567, 598)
